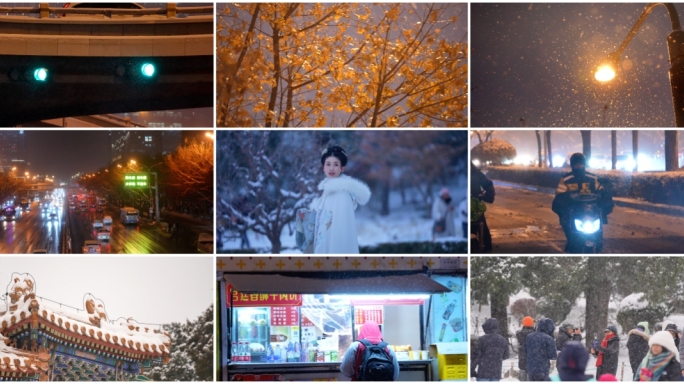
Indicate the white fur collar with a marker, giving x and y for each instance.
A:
(639, 333)
(346, 183)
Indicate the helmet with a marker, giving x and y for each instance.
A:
(577, 158)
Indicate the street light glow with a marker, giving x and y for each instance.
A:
(605, 72)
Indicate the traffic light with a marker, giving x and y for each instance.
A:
(143, 71)
(147, 69)
(40, 74)
(33, 74)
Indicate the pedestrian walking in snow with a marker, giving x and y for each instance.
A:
(443, 215)
(540, 349)
(662, 361)
(637, 344)
(490, 352)
(607, 359)
(572, 362)
(335, 224)
(521, 336)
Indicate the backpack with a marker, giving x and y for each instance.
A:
(374, 362)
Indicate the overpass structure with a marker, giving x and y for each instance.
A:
(57, 62)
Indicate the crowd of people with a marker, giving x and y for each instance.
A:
(652, 357)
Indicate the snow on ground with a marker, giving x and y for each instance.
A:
(405, 223)
(479, 313)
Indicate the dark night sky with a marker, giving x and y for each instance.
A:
(536, 61)
(64, 153)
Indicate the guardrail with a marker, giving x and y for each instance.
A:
(44, 10)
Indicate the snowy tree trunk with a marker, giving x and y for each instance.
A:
(671, 149)
(597, 291)
(385, 194)
(548, 148)
(498, 303)
(586, 143)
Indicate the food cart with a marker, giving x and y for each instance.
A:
(294, 318)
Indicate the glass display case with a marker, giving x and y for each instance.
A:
(251, 326)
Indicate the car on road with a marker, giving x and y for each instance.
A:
(103, 235)
(53, 213)
(99, 209)
(107, 220)
(91, 246)
(97, 224)
(205, 243)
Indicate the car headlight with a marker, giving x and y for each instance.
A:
(588, 227)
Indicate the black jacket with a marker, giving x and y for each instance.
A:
(490, 352)
(481, 186)
(569, 184)
(564, 337)
(637, 345)
(610, 355)
(521, 336)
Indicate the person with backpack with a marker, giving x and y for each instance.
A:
(370, 358)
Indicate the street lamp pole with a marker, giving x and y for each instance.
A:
(675, 44)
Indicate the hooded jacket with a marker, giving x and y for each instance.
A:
(565, 335)
(371, 332)
(637, 345)
(335, 230)
(572, 362)
(540, 349)
(490, 352)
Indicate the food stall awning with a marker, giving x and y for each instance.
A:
(376, 285)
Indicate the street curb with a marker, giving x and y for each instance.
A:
(670, 210)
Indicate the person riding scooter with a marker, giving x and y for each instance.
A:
(574, 188)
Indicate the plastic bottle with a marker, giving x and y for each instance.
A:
(277, 353)
(297, 352)
(234, 353)
(248, 353)
(241, 352)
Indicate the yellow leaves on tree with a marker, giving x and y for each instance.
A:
(304, 64)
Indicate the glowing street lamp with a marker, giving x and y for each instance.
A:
(608, 68)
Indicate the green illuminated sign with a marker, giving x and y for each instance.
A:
(136, 180)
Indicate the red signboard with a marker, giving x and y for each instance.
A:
(306, 322)
(288, 316)
(262, 299)
(363, 314)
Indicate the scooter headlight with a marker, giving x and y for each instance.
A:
(588, 227)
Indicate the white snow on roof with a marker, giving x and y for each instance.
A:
(123, 332)
(12, 359)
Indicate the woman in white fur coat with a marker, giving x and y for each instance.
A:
(335, 230)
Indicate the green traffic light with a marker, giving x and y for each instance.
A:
(40, 74)
(147, 69)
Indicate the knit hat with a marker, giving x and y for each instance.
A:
(611, 328)
(641, 328)
(607, 377)
(665, 340)
(528, 322)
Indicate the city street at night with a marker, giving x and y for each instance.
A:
(521, 221)
(118, 192)
(570, 191)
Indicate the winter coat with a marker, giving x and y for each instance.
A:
(564, 337)
(572, 362)
(672, 372)
(490, 352)
(637, 345)
(610, 355)
(447, 211)
(540, 348)
(521, 336)
(335, 230)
